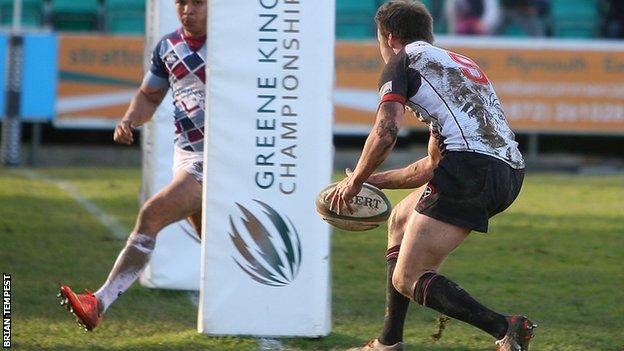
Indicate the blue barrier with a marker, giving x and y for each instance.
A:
(39, 76)
(4, 51)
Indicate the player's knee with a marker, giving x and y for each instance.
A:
(403, 284)
(396, 224)
(150, 216)
(149, 210)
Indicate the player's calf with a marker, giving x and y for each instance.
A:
(127, 268)
(445, 296)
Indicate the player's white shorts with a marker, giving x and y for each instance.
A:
(190, 162)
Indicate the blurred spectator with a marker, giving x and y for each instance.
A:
(530, 15)
(613, 25)
(472, 16)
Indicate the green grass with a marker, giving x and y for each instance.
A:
(556, 255)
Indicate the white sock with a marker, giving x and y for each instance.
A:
(127, 268)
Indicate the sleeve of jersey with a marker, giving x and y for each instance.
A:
(393, 82)
(158, 66)
(155, 82)
(157, 77)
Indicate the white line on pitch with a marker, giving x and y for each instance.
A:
(268, 344)
(111, 223)
(108, 221)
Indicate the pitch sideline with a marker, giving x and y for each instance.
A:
(115, 228)
(118, 231)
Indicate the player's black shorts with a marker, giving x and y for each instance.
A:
(468, 188)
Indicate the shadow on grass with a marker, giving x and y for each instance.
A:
(337, 341)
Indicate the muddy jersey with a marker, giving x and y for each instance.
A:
(178, 62)
(451, 93)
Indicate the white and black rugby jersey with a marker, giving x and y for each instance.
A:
(454, 96)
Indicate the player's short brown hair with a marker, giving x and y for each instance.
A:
(406, 20)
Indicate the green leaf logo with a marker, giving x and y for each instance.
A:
(269, 250)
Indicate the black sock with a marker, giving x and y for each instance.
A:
(396, 305)
(443, 295)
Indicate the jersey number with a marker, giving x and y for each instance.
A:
(470, 69)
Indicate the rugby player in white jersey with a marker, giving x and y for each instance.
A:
(178, 63)
(473, 171)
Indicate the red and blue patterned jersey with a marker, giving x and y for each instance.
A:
(178, 62)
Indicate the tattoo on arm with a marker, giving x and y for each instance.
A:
(387, 124)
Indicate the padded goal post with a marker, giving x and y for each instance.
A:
(265, 257)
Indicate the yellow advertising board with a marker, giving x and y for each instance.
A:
(98, 75)
(544, 85)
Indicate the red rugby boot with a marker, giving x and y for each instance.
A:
(85, 307)
(519, 334)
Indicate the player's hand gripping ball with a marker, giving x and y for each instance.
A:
(370, 207)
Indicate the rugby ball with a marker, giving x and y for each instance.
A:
(370, 207)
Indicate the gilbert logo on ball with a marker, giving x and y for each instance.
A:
(267, 245)
(370, 207)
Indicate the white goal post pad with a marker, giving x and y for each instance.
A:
(265, 258)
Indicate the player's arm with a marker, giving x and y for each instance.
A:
(380, 141)
(141, 109)
(377, 147)
(397, 83)
(146, 100)
(412, 176)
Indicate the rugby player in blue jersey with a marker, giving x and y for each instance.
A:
(178, 63)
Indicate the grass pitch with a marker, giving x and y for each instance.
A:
(555, 255)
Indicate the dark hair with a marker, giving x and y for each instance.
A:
(408, 21)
